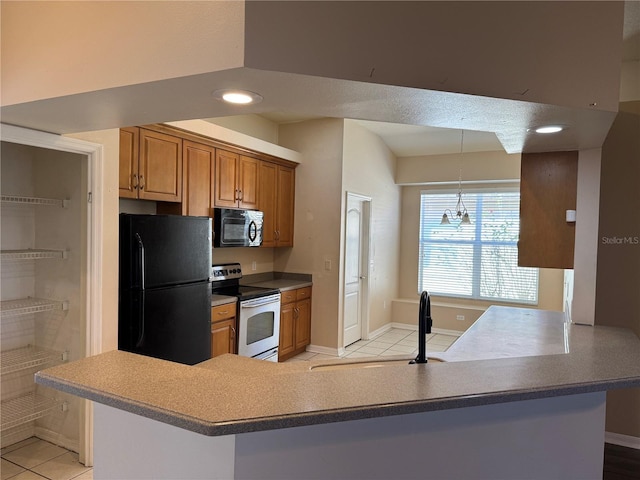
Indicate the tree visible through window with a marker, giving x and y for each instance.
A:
(478, 261)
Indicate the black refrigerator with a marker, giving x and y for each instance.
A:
(164, 304)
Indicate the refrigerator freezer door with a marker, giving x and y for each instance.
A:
(163, 250)
(172, 323)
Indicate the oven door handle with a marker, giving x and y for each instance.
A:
(258, 302)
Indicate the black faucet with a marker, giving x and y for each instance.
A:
(424, 327)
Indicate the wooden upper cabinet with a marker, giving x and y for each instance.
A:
(285, 206)
(248, 182)
(160, 167)
(236, 180)
(267, 202)
(128, 169)
(548, 188)
(197, 179)
(189, 174)
(276, 200)
(150, 165)
(226, 179)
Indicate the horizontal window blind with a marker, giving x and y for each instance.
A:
(477, 261)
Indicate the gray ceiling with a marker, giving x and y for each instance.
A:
(472, 80)
(415, 140)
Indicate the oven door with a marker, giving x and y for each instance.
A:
(259, 329)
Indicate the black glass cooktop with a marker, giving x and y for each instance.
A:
(245, 292)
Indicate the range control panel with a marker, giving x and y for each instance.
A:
(226, 271)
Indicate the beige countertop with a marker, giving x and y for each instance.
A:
(217, 300)
(282, 284)
(509, 354)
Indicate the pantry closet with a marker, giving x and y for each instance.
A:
(46, 292)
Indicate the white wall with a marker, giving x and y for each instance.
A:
(87, 46)
(110, 140)
(585, 256)
(630, 81)
(317, 219)
(369, 169)
(252, 125)
(558, 437)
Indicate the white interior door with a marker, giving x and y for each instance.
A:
(355, 267)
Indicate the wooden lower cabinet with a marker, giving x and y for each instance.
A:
(295, 322)
(223, 330)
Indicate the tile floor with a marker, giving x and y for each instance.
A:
(35, 459)
(395, 341)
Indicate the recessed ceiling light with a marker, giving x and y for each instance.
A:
(549, 129)
(238, 97)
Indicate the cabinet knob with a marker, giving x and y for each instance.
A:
(141, 182)
(135, 181)
(224, 312)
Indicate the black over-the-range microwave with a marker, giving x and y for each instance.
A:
(235, 227)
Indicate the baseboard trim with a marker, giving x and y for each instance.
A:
(622, 440)
(325, 350)
(57, 439)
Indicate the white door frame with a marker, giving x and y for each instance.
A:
(93, 285)
(366, 264)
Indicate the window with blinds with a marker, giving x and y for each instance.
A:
(477, 261)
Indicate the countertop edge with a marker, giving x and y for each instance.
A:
(214, 399)
(275, 422)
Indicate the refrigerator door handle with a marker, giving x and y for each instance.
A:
(141, 321)
(141, 277)
(140, 260)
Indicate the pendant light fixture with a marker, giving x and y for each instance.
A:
(460, 210)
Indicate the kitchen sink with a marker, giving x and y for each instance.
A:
(366, 364)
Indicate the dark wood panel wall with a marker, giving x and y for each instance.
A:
(548, 188)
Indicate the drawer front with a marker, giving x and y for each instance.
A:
(303, 293)
(287, 296)
(222, 312)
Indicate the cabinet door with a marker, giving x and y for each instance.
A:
(248, 182)
(197, 179)
(223, 312)
(303, 324)
(226, 179)
(223, 337)
(285, 206)
(160, 171)
(548, 188)
(128, 172)
(287, 326)
(267, 201)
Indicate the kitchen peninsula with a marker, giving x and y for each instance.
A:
(520, 395)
